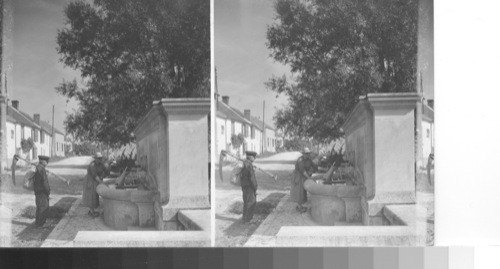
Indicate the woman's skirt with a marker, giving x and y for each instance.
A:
(90, 197)
(297, 193)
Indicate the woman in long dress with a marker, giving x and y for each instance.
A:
(304, 167)
(95, 174)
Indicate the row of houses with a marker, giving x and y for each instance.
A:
(20, 126)
(231, 122)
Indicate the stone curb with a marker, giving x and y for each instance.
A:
(51, 240)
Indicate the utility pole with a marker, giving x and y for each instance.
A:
(216, 91)
(52, 148)
(215, 130)
(263, 125)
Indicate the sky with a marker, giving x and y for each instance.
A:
(242, 58)
(36, 69)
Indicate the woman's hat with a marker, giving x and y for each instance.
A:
(306, 151)
(98, 155)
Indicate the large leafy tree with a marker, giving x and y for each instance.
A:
(338, 50)
(131, 53)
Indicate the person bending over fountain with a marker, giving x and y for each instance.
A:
(96, 171)
(304, 167)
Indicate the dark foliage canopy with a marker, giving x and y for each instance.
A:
(130, 53)
(339, 50)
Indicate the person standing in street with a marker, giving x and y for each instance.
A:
(95, 174)
(304, 168)
(42, 191)
(248, 187)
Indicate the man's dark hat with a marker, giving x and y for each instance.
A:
(43, 158)
(251, 153)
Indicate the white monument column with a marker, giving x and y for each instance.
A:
(394, 149)
(188, 157)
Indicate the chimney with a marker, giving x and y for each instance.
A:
(247, 114)
(36, 117)
(225, 99)
(430, 102)
(15, 104)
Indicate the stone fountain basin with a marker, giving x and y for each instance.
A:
(331, 204)
(124, 208)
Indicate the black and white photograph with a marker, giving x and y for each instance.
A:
(324, 125)
(105, 121)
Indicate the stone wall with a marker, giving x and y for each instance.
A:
(359, 146)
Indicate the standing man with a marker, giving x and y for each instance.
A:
(304, 167)
(249, 187)
(42, 191)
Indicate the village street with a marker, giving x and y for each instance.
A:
(231, 232)
(21, 201)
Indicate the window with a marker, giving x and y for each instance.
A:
(22, 132)
(42, 137)
(245, 130)
(252, 131)
(232, 127)
(222, 129)
(428, 133)
(12, 134)
(35, 138)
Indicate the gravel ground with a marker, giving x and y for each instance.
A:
(21, 201)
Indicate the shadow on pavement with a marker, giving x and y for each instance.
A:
(56, 213)
(262, 210)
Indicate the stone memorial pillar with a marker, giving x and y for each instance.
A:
(380, 142)
(394, 151)
(173, 137)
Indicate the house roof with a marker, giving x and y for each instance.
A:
(228, 112)
(428, 113)
(258, 122)
(47, 127)
(17, 116)
(20, 117)
(231, 113)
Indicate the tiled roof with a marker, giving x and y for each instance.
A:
(228, 112)
(428, 112)
(47, 127)
(259, 123)
(252, 120)
(232, 113)
(18, 117)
